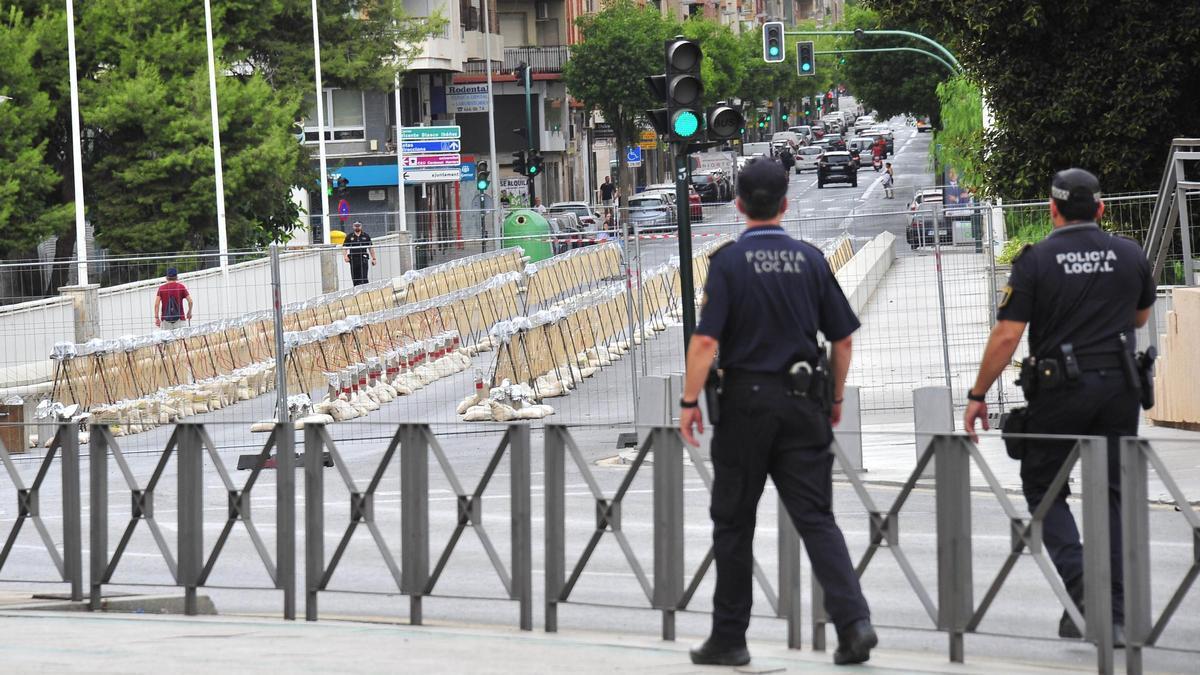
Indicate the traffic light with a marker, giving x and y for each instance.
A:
(483, 177)
(684, 89)
(773, 42)
(762, 121)
(533, 168)
(806, 62)
(783, 113)
(724, 122)
(658, 116)
(519, 163)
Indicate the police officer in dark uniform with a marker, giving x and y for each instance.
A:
(1082, 291)
(358, 245)
(766, 298)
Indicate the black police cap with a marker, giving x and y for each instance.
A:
(1077, 187)
(762, 180)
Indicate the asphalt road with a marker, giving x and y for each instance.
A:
(820, 214)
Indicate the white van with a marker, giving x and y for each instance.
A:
(791, 137)
(752, 149)
(803, 131)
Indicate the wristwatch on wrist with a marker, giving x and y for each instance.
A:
(684, 403)
(978, 398)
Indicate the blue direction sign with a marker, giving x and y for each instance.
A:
(468, 171)
(419, 147)
(430, 133)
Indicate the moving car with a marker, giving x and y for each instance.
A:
(887, 137)
(695, 208)
(859, 146)
(922, 126)
(804, 131)
(864, 122)
(651, 211)
(837, 167)
(713, 186)
(808, 157)
(790, 137)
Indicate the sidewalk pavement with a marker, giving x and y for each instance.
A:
(104, 643)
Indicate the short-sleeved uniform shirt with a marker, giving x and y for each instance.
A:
(171, 295)
(767, 296)
(357, 243)
(1081, 285)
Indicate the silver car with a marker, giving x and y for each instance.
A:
(651, 211)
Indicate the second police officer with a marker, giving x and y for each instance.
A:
(767, 297)
(1082, 291)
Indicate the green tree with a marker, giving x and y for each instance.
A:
(148, 164)
(29, 204)
(766, 82)
(891, 83)
(1099, 84)
(959, 143)
(621, 45)
(723, 68)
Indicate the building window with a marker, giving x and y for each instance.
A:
(343, 116)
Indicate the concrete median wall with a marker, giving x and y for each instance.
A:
(861, 275)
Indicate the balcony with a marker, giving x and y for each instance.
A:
(540, 59)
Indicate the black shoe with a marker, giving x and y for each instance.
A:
(1067, 627)
(855, 643)
(712, 653)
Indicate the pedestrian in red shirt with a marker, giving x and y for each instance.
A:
(168, 302)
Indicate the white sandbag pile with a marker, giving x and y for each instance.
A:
(504, 403)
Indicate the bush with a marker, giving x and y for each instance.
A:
(1025, 231)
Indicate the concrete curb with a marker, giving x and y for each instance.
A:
(122, 604)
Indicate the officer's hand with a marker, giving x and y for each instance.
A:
(975, 411)
(158, 322)
(835, 414)
(689, 418)
(372, 262)
(347, 258)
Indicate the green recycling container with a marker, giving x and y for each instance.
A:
(531, 231)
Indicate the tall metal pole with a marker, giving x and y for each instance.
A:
(493, 185)
(529, 128)
(402, 208)
(222, 232)
(682, 207)
(281, 406)
(76, 150)
(904, 33)
(324, 178)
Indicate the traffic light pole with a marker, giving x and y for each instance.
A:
(930, 54)
(687, 284)
(957, 67)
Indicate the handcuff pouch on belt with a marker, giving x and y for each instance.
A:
(1015, 422)
(813, 381)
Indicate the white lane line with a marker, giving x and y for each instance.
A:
(878, 180)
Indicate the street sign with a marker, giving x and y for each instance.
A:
(647, 140)
(467, 98)
(343, 210)
(467, 171)
(421, 147)
(430, 133)
(432, 175)
(432, 160)
(633, 155)
(603, 130)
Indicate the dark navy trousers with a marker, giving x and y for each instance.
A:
(763, 431)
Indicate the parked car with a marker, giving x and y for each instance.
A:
(925, 221)
(713, 186)
(808, 157)
(837, 167)
(695, 207)
(924, 196)
(569, 232)
(650, 211)
(587, 216)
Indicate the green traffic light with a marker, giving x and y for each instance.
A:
(686, 124)
(806, 67)
(481, 185)
(533, 170)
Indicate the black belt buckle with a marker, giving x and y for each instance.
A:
(800, 377)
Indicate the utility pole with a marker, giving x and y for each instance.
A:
(527, 73)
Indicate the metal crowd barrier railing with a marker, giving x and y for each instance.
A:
(669, 590)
